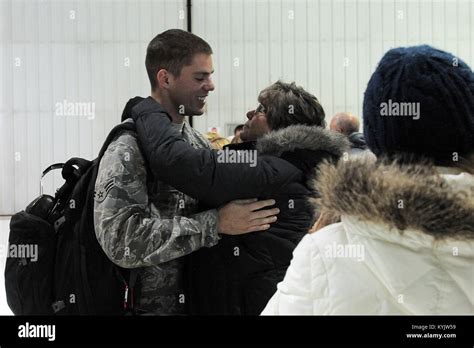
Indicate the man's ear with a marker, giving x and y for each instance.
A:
(163, 78)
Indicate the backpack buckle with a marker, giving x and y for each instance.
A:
(58, 305)
(58, 223)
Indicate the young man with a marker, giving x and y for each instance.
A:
(147, 224)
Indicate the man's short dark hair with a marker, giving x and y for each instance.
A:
(288, 104)
(172, 50)
(239, 127)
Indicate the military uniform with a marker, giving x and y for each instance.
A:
(147, 224)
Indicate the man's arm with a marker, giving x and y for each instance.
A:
(131, 230)
(202, 173)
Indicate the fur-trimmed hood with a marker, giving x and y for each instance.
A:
(403, 197)
(302, 137)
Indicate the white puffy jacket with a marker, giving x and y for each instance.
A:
(385, 256)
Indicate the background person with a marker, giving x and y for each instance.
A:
(235, 139)
(217, 142)
(348, 124)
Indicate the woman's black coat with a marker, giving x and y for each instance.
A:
(239, 275)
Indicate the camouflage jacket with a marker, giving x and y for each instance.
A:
(147, 224)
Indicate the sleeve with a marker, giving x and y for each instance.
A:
(205, 174)
(303, 285)
(129, 228)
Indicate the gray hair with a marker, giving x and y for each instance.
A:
(288, 104)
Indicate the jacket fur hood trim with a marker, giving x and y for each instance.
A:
(403, 197)
(303, 137)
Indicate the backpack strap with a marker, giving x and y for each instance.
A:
(127, 125)
(71, 172)
(131, 285)
(46, 171)
(52, 167)
(74, 168)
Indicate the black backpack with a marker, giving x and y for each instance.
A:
(70, 273)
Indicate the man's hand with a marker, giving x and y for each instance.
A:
(240, 217)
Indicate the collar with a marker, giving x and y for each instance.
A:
(403, 197)
(302, 137)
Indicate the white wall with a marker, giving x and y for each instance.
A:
(51, 51)
(329, 47)
(80, 51)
